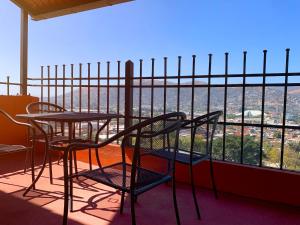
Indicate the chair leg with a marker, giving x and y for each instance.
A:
(59, 158)
(122, 202)
(213, 179)
(132, 197)
(75, 161)
(26, 159)
(71, 183)
(90, 159)
(66, 190)
(175, 201)
(97, 157)
(50, 168)
(32, 166)
(194, 192)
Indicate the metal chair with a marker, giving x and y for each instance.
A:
(135, 177)
(6, 149)
(199, 132)
(55, 131)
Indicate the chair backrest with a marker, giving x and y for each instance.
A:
(46, 107)
(14, 132)
(156, 134)
(43, 107)
(198, 134)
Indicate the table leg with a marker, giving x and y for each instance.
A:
(96, 150)
(71, 132)
(66, 188)
(44, 161)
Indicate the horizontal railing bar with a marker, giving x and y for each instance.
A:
(216, 85)
(83, 85)
(10, 83)
(240, 124)
(171, 85)
(174, 77)
(220, 76)
(260, 125)
(76, 78)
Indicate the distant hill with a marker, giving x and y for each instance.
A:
(273, 100)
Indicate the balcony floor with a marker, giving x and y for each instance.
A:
(99, 204)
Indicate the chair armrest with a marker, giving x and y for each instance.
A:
(18, 122)
(100, 129)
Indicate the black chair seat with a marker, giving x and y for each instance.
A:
(61, 144)
(113, 176)
(182, 156)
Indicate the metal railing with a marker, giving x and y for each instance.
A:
(260, 109)
(8, 85)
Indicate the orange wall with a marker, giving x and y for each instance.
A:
(9, 133)
(262, 183)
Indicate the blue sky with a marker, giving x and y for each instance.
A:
(156, 28)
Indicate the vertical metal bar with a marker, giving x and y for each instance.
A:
(152, 86)
(129, 70)
(64, 86)
(243, 105)
(209, 82)
(152, 94)
(140, 90)
(286, 80)
(56, 81)
(178, 83)
(165, 82)
(48, 85)
(42, 83)
(118, 97)
(48, 75)
(193, 86)
(225, 103)
(107, 95)
(55, 92)
(80, 93)
(89, 86)
(208, 97)
(98, 90)
(165, 92)
(263, 107)
(8, 84)
(72, 87)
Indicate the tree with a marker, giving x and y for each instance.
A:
(277, 134)
(199, 143)
(291, 159)
(251, 151)
(294, 146)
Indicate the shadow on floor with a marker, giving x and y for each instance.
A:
(16, 210)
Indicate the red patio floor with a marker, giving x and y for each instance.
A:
(99, 204)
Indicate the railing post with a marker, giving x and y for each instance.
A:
(8, 84)
(128, 93)
(24, 52)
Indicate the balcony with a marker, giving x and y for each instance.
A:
(256, 164)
